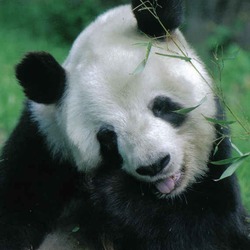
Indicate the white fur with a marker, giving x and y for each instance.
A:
(101, 89)
(60, 241)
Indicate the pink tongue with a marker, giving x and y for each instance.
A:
(167, 186)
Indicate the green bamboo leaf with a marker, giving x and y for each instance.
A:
(236, 148)
(231, 169)
(188, 110)
(216, 150)
(231, 160)
(143, 63)
(142, 44)
(235, 163)
(220, 122)
(76, 229)
(146, 8)
(185, 111)
(139, 68)
(185, 58)
(149, 47)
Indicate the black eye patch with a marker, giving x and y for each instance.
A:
(107, 138)
(164, 108)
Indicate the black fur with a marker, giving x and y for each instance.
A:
(42, 77)
(167, 15)
(33, 187)
(209, 217)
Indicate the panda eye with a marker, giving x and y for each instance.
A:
(164, 108)
(107, 137)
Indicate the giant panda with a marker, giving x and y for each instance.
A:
(102, 156)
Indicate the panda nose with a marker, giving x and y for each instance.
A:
(154, 169)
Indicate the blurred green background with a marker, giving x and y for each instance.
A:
(218, 29)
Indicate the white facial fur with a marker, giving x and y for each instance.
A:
(101, 89)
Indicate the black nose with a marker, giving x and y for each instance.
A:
(155, 168)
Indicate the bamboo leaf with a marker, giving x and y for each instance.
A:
(230, 160)
(143, 63)
(185, 58)
(231, 169)
(220, 122)
(235, 163)
(185, 111)
(143, 44)
(76, 229)
(140, 67)
(188, 110)
(236, 148)
(149, 47)
(216, 150)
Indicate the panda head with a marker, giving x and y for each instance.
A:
(97, 108)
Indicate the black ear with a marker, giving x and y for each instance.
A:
(42, 77)
(154, 17)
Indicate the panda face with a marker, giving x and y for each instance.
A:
(105, 102)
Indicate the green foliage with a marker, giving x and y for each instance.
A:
(221, 35)
(143, 63)
(235, 85)
(67, 18)
(56, 20)
(13, 46)
(185, 111)
(185, 58)
(219, 122)
(234, 162)
(233, 76)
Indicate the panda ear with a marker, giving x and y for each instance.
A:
(154, 17)
(42, 77)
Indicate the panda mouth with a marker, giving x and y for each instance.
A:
(170, 183)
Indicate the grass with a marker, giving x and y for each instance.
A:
(14, 44)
